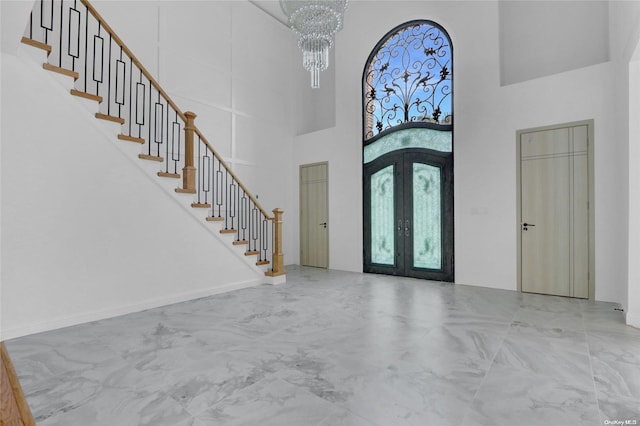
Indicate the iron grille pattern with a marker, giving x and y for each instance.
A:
(408, 78)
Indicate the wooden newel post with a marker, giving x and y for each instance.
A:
(189, 170)
(278, 257)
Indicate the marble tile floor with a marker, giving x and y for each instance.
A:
(339, 348)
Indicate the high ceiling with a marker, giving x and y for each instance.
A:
(271, 7)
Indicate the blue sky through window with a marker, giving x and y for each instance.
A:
(409, 78)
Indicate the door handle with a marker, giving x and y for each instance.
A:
(525, 226)
(324, 224)
(400, 227)
(406, 228)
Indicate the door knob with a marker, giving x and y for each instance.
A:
(525, 226)
(324, 224)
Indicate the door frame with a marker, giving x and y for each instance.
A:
(300, 189)
(591, 209)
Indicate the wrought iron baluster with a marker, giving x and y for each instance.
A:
(121, 76)
(151, 121)
(214, 187)
(243, 215)
(140, 105)
(130, 104)
(167, 148)
(166, 123)
(43, 23)
(98, 51)
(176, 143)
(109, 78)
(206, 168)
(61, 26)
(86, 47)
(74, 50)
(158, 128)
(233, 206)
(227, 215)
(219, 189)
(237, 208)
(265, 239)
(200, 170)
(255, 226)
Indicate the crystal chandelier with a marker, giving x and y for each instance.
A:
(316, 22)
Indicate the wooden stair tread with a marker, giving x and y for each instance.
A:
(86, 95)
(262, 262)
(131, 139)
(228, 231)
(150, 158)
(59, 70)
(251, 253)
(185, 191)
(37, 44)
(102, 116)
(201, 205)
(169, 175)
(215, 219)
(240, 242)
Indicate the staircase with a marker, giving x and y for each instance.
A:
(101, 70)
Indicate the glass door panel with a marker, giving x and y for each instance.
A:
(427, 217)
(383, 217)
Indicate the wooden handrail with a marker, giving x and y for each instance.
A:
(164, 94)
(14, 409)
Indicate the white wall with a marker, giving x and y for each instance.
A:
(633, 303)
(557, 36)
(487, 118)
(85, 234)
(316, 108)
(625, 48)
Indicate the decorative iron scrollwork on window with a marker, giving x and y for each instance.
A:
(409, 78)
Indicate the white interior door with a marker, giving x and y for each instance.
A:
(314, 226)
(555, 211)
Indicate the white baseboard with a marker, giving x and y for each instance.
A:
(84, 317)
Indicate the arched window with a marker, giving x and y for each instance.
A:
(408, 153)
(408, 78)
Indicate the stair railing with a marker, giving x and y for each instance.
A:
(79, 43)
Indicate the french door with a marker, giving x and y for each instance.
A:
(408, 215)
